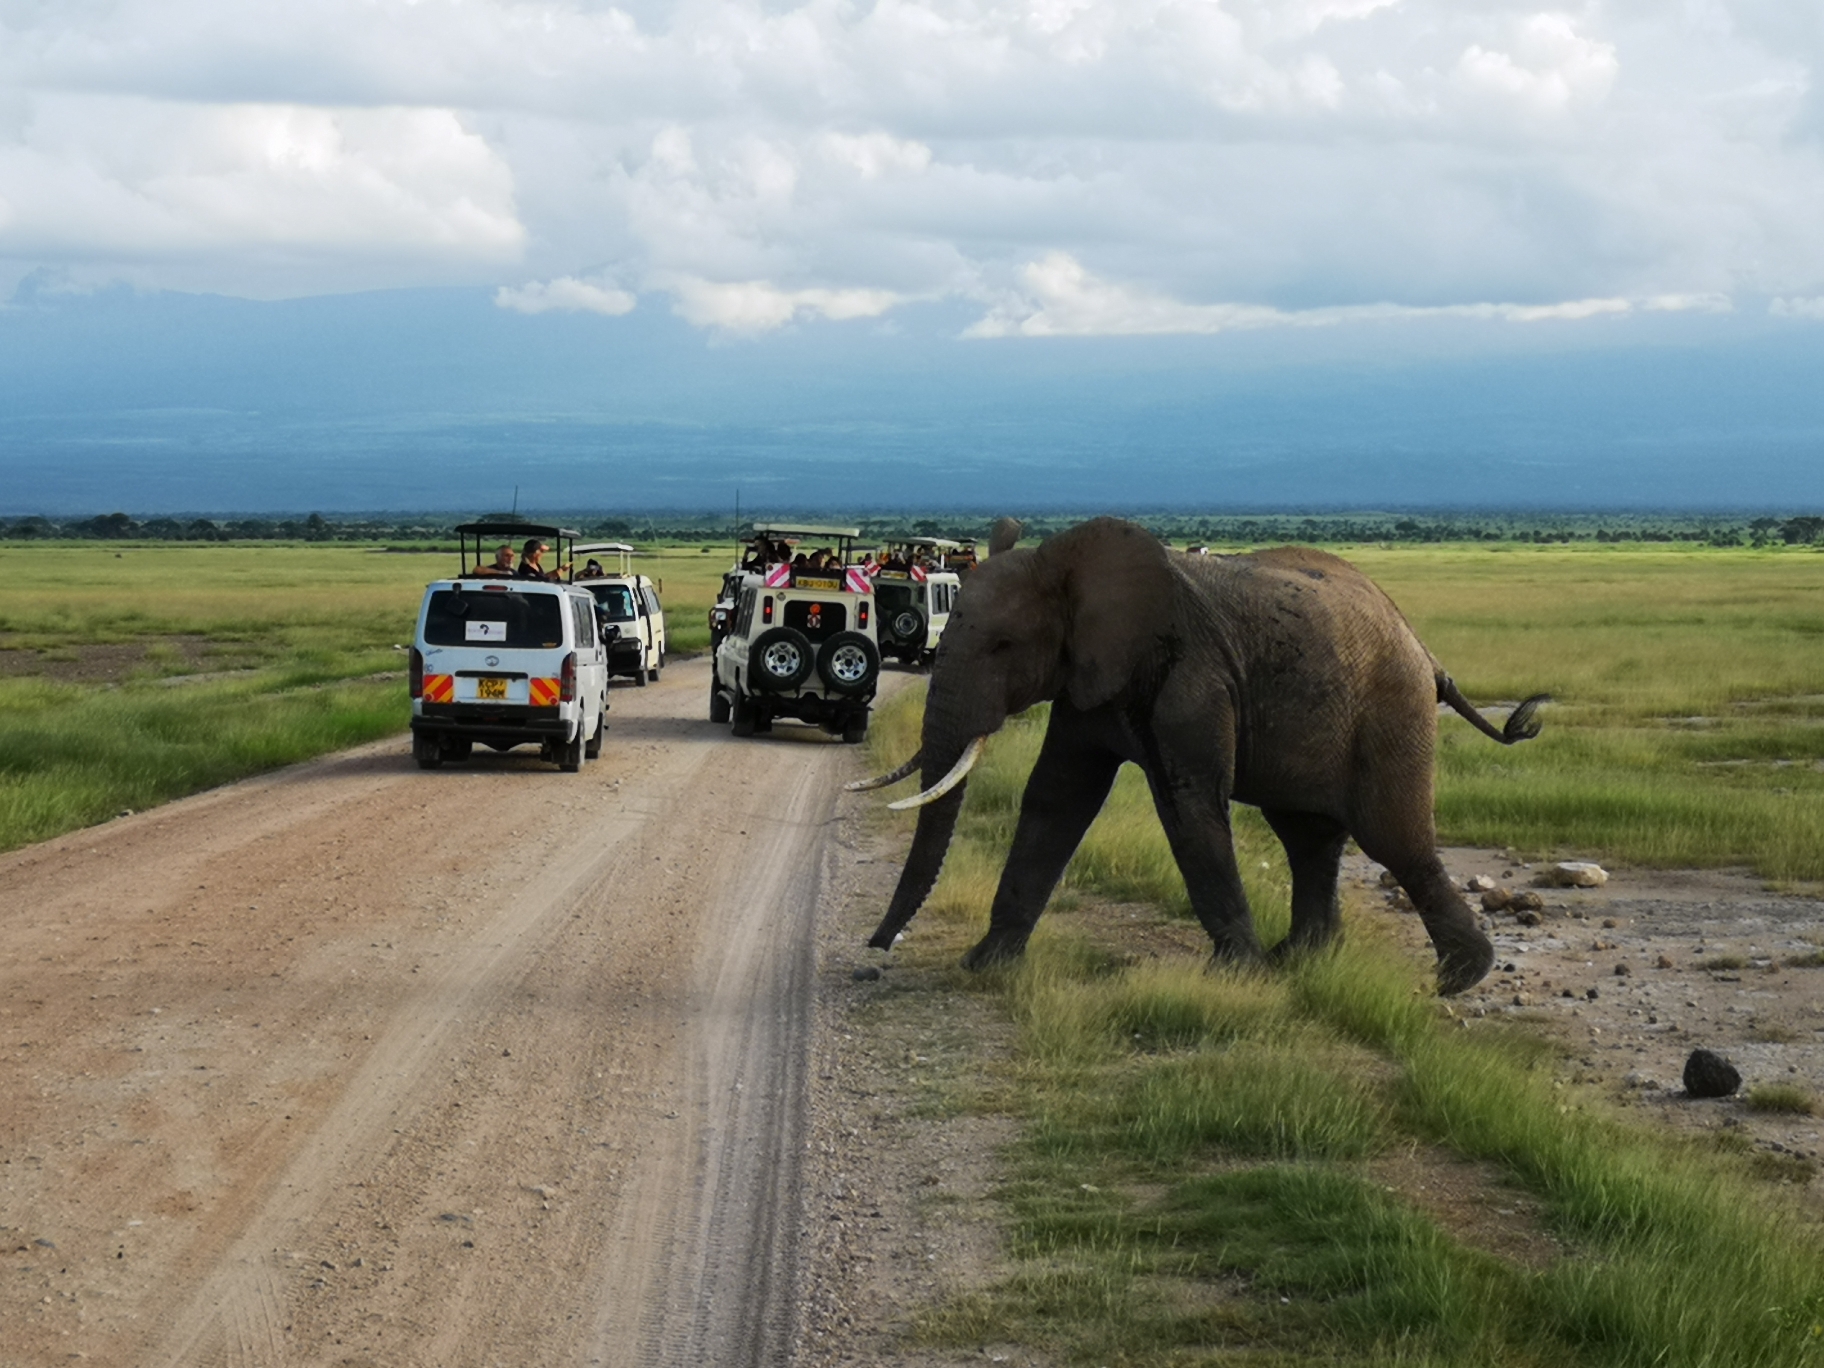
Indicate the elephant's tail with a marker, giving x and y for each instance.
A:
(1522, 723)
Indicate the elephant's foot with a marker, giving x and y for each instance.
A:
(996, 948)
(1236, 952)
(1464, 966)
(1296, 947)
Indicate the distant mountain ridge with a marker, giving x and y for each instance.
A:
(163, 403)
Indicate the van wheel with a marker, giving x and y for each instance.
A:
(744, 716)
(653, 673)
(639, 675)
(594, 748)
(718, 703)
(855, 730)
(427, 750)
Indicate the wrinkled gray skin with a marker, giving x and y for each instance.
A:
(1283, 679)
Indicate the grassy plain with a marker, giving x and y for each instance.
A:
(1219, 1167)
(135, 673)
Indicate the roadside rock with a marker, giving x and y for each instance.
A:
(1708, 1074)
(1573, 874)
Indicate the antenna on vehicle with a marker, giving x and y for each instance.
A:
(515, 501)
(737, 514)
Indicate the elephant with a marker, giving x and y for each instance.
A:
(1284, 679)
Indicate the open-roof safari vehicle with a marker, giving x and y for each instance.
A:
(629, 602)
(916, 586)
(505, 659)
(798, 636)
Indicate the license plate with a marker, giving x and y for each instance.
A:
(491, 686)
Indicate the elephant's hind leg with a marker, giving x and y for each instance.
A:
(1464, 953)
(1068, 786)
(1314, 849)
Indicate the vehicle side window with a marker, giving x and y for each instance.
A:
(652, 602)
(584, 616)
(746, 618)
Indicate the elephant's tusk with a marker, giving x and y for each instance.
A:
(958, 772)
(892, 776)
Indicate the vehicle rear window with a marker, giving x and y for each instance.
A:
(815, 618)
(893, 597)
(493, 617)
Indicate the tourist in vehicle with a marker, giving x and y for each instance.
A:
(592, 569)
(530, 567)
(502, 564)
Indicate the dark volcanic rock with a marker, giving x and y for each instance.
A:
(1708, 1074)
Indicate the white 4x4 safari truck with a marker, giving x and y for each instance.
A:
(506, 661)
(800, 639)
(915, 586)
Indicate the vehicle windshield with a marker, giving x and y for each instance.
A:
(615, 601)
(493, 617)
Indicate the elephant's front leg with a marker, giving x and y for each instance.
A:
(1068, 786)
(1314, 850)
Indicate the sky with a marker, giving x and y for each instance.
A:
(1079, 201)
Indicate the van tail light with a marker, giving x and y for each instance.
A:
(861, 615)
(766, 609)
(414, 673)
(567, 686)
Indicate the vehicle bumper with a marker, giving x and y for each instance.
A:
(495, 725)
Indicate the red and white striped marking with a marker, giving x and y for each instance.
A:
(779, 576)
(857, 581)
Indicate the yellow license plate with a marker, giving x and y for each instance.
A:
(491, 686)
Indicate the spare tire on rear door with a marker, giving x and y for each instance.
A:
(908, 625)
(781, 658)
(848, 663)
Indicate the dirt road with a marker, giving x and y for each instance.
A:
(358, 1065)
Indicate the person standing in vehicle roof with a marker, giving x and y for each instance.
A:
(529, 568)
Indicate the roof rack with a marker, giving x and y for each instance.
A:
(470, 537)
(621, 550)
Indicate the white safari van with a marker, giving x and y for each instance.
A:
(502, 658)
(627, 602)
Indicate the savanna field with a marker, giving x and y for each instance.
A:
(1200, 1174)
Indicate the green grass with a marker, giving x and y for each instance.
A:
(1199, 1176)
(230, 659)
(1786, 1098)
(1689, 723)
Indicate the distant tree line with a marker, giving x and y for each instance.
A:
(1174, 526)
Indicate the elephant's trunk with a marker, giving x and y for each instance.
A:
(936, 822)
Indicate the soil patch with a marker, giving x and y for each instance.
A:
(110, 662)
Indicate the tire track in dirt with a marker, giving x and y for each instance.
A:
(356, 1065)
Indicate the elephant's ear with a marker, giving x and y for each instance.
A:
(1005, 535)
(1119, 590)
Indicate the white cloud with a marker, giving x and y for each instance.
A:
(1311, 158)
(755, 306)
(566, 294)
(141, 180)
(1061, 299)
(1798, 307)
